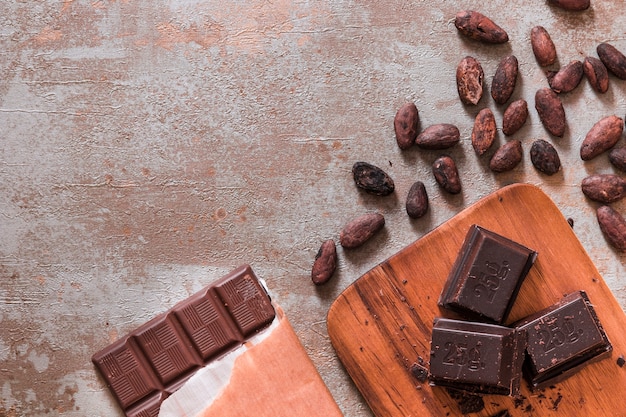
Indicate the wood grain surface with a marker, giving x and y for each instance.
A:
(382, 323)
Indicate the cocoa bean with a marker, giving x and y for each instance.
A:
(372, 179)
(567, 78)
(613, 226)
(542, 45)
(469, 80)
(605, 188)
(484, 131)
(544, 157)
(617, 157)
(446, 174)
(479, 27)
(602, 137)
(551, 111)
(571, 5)
(439, 136)
(596, 73)
(504, 80)
(406, 125)
(325, 263)
(613, 59)
(507, 157)
(361, 229)
(514, 116)
(417, 200)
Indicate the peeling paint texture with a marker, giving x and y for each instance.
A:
(148, 147)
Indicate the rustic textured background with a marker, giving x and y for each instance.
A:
(149, 147)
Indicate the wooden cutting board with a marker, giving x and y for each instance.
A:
(382, 323)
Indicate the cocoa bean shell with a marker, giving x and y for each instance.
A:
(605, 188)
(602, 136)
(484, 131)
(617, 157)
(571, 5)
(507, 157)
(514, 116)
(551, 111)
(417, 200)
(361, 229)
(545, 157)
(479, 27)
(438, 136)
(613, 59)
(613, 226)
(469, 80)
(542, 45)
(406, 125)
(372, 179)
(446, 174)
(596, 73)
(567, 78)
(325, 263)
(504, 80)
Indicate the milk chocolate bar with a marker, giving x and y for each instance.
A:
(486, 276)
(562, 339)
(477, 357)
(147, 365)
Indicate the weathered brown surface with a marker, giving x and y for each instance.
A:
(149, 147)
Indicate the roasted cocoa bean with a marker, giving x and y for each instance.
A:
(484, 131)
(613, 59)
(406, 125)
(514, 116)
(602, 137)
(617, 157)
(325, 263)
(439, 136)
(605, 188)
(361, 229)
(372, 179)
(542, 45)
(417, 200)
(571, 5)
(504, 80)
(567, 78)
(613, 226)
(479, 27)
(596, 73)
(469, 80)
(507, 157)
(544, 157)
(446, 174)
(551, 111)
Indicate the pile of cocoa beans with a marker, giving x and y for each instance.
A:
(601, 139)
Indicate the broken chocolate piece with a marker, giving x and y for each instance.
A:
(486, 275)
(477, 357)
(144, 367)
(562, 339)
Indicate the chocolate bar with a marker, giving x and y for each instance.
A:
(562, 339)
(486, 276)
(150, 363)
(477, 357)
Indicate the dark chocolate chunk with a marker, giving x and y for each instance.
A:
(147, 365)
(562, 339)
(486, 276)
(419, 372)
(477, 357)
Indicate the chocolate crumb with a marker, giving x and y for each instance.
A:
(467, 402)
(555, 403)
(502, 413)
(419, 372)
(621, 361)
(571, 222)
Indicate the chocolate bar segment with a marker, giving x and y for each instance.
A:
(477, 357)
(562, 339)
(147, 365)
(486, 276)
